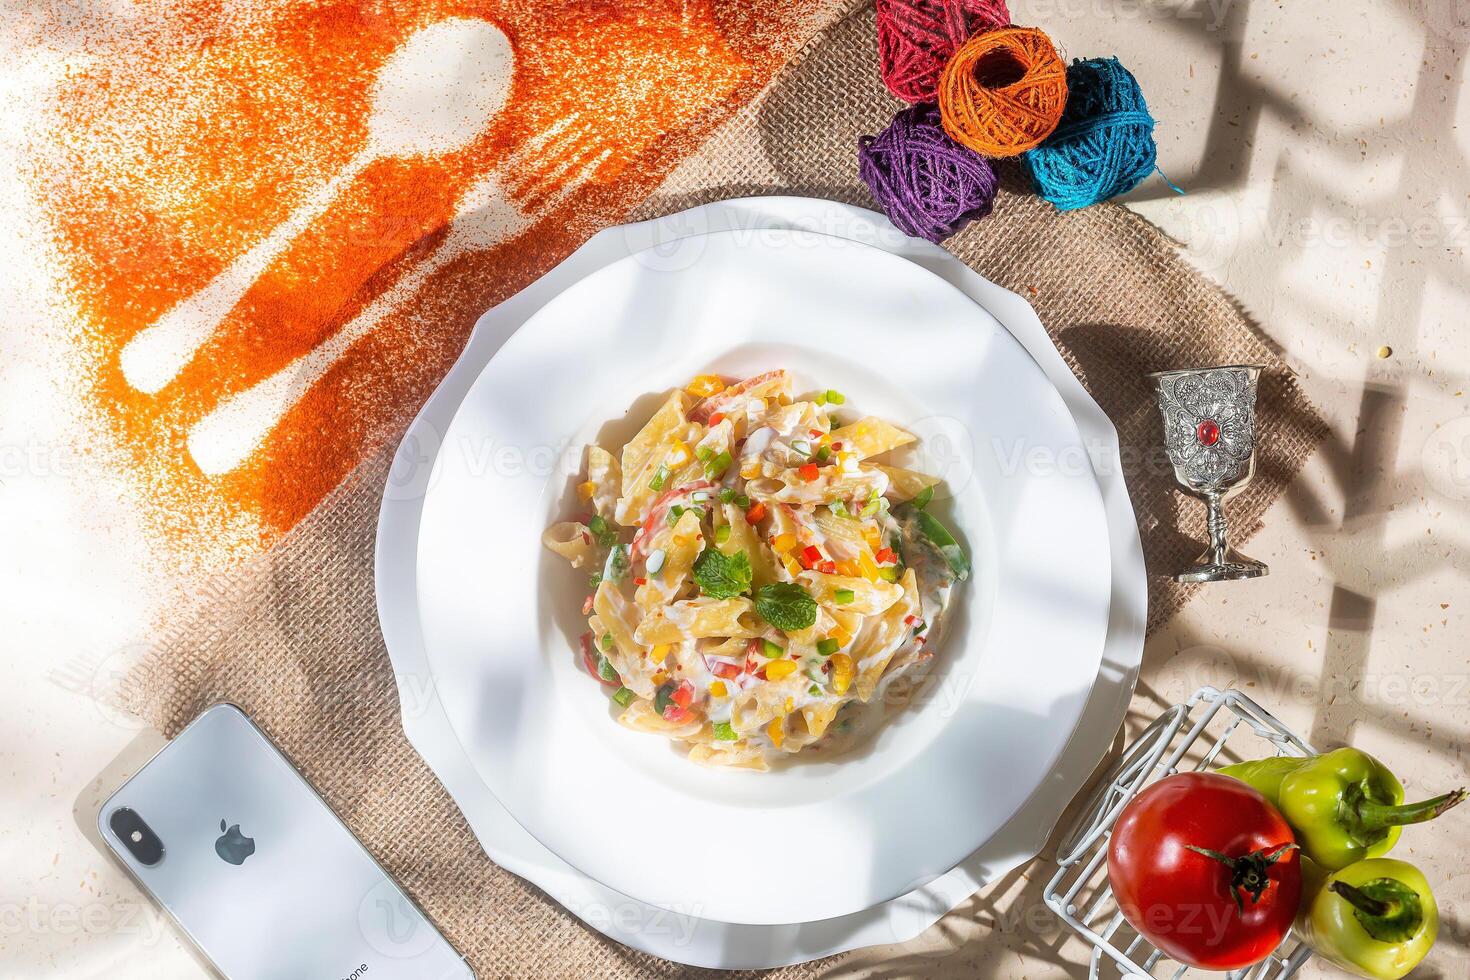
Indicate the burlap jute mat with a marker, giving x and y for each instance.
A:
(293, 636)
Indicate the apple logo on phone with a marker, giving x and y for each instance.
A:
(232, 845)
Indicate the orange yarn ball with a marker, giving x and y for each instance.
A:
(1003, 91)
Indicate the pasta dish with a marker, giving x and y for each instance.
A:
(758, 573)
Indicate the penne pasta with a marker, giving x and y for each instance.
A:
(748, 580)
(571, 540)
(905, 484)
(698, 618)
(870, 436)
(851, 595)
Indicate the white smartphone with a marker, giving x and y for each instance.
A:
(257, 870)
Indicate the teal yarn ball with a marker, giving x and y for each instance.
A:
(1104, 144)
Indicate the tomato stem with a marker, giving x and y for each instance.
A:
(1249, 872)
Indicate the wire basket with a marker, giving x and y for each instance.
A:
(1187, 736)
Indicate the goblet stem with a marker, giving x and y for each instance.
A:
(1215, 523)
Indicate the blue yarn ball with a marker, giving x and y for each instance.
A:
(1104, 144)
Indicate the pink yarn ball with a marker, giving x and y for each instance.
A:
(916, 38)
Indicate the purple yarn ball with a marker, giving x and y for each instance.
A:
(927, 184)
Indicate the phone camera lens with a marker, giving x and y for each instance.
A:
(140, 840)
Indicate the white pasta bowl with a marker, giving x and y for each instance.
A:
(811, 839)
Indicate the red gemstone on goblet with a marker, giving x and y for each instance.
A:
(1208, 432)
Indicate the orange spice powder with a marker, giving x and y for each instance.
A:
(182, 144)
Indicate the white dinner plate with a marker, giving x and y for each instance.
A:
(499, 617)
(686, 938)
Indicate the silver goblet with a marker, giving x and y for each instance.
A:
(1210, 435)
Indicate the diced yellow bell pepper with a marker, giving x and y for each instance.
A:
(792, 565)
(679, 454)
(847, 568)
(842, 636)
(777, 730)
(841, 672)
(717, 689)
(705, 385)
(784, 542)
(868, 567)
(659, 652)
(874, 537)
(586, 489)
(777, 669)
(659, 677)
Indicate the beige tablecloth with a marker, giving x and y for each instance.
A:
(293, 637)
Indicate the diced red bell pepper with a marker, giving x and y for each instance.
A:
(885, 556)
(658, 513)
(640, 581)
(756, 513)
(683, 694)
(675, 713)
(726, 671)
(589, 660)
(716, 419)
(810, 556)
(587, 605)
(827, 567)
(809, 471)
(837, 447)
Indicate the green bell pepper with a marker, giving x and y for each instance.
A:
(1376, 918)
(1265, 775)
(1346, 806)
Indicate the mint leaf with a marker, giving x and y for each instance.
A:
(786, 606)
(722, 576)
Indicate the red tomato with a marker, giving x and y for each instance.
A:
(1218, 911)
